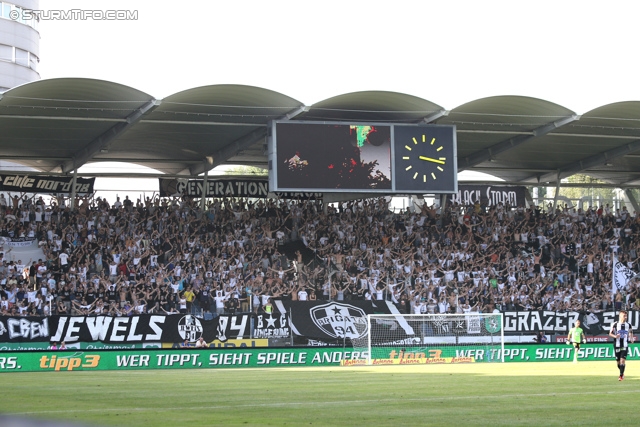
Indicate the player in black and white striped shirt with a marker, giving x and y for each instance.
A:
(622, 335)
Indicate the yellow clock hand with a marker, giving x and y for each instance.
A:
(429, 159)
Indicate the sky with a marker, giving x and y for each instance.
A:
(579, 54)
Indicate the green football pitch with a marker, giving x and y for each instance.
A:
(531, 394)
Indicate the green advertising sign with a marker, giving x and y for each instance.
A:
(482, 353)
(172, 359)
(77, 360)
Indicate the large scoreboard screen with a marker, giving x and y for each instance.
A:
(361, 157)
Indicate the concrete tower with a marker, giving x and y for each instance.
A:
(19, 44)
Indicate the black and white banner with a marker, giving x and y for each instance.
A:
(134, 329)
(489, 195)
(332, 320)
(255, 188)
(552, 322)
(18, 242)
(272, 325)
(315, 320)
(215, 187)
(45, 184)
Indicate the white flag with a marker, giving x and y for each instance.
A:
(621, 276)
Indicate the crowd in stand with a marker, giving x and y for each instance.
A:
(170, 256)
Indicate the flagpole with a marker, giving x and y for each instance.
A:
(614, 287)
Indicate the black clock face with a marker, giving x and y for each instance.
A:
(425, 159)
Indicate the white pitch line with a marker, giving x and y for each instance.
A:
(306, 403)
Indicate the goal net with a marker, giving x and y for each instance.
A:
(431, 338)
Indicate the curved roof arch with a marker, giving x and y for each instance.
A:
(232, 103)
(75, 97)
(241, 95)
(374, 106)
(620, 118)
(77, 88)
(514, 105)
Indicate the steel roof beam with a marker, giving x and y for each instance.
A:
(434, 116)
(561, 134)
(197, 123)
(501, 147)
(116, 120)
(562, 184)
(102, 142)
(632, 199)
(590, 162)
(219, 157)
(630, 182)
(63, 118)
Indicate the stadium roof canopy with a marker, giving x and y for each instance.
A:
(58, 125)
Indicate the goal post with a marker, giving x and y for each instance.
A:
(431, 338)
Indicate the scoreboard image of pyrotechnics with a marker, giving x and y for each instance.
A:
(362, 157)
